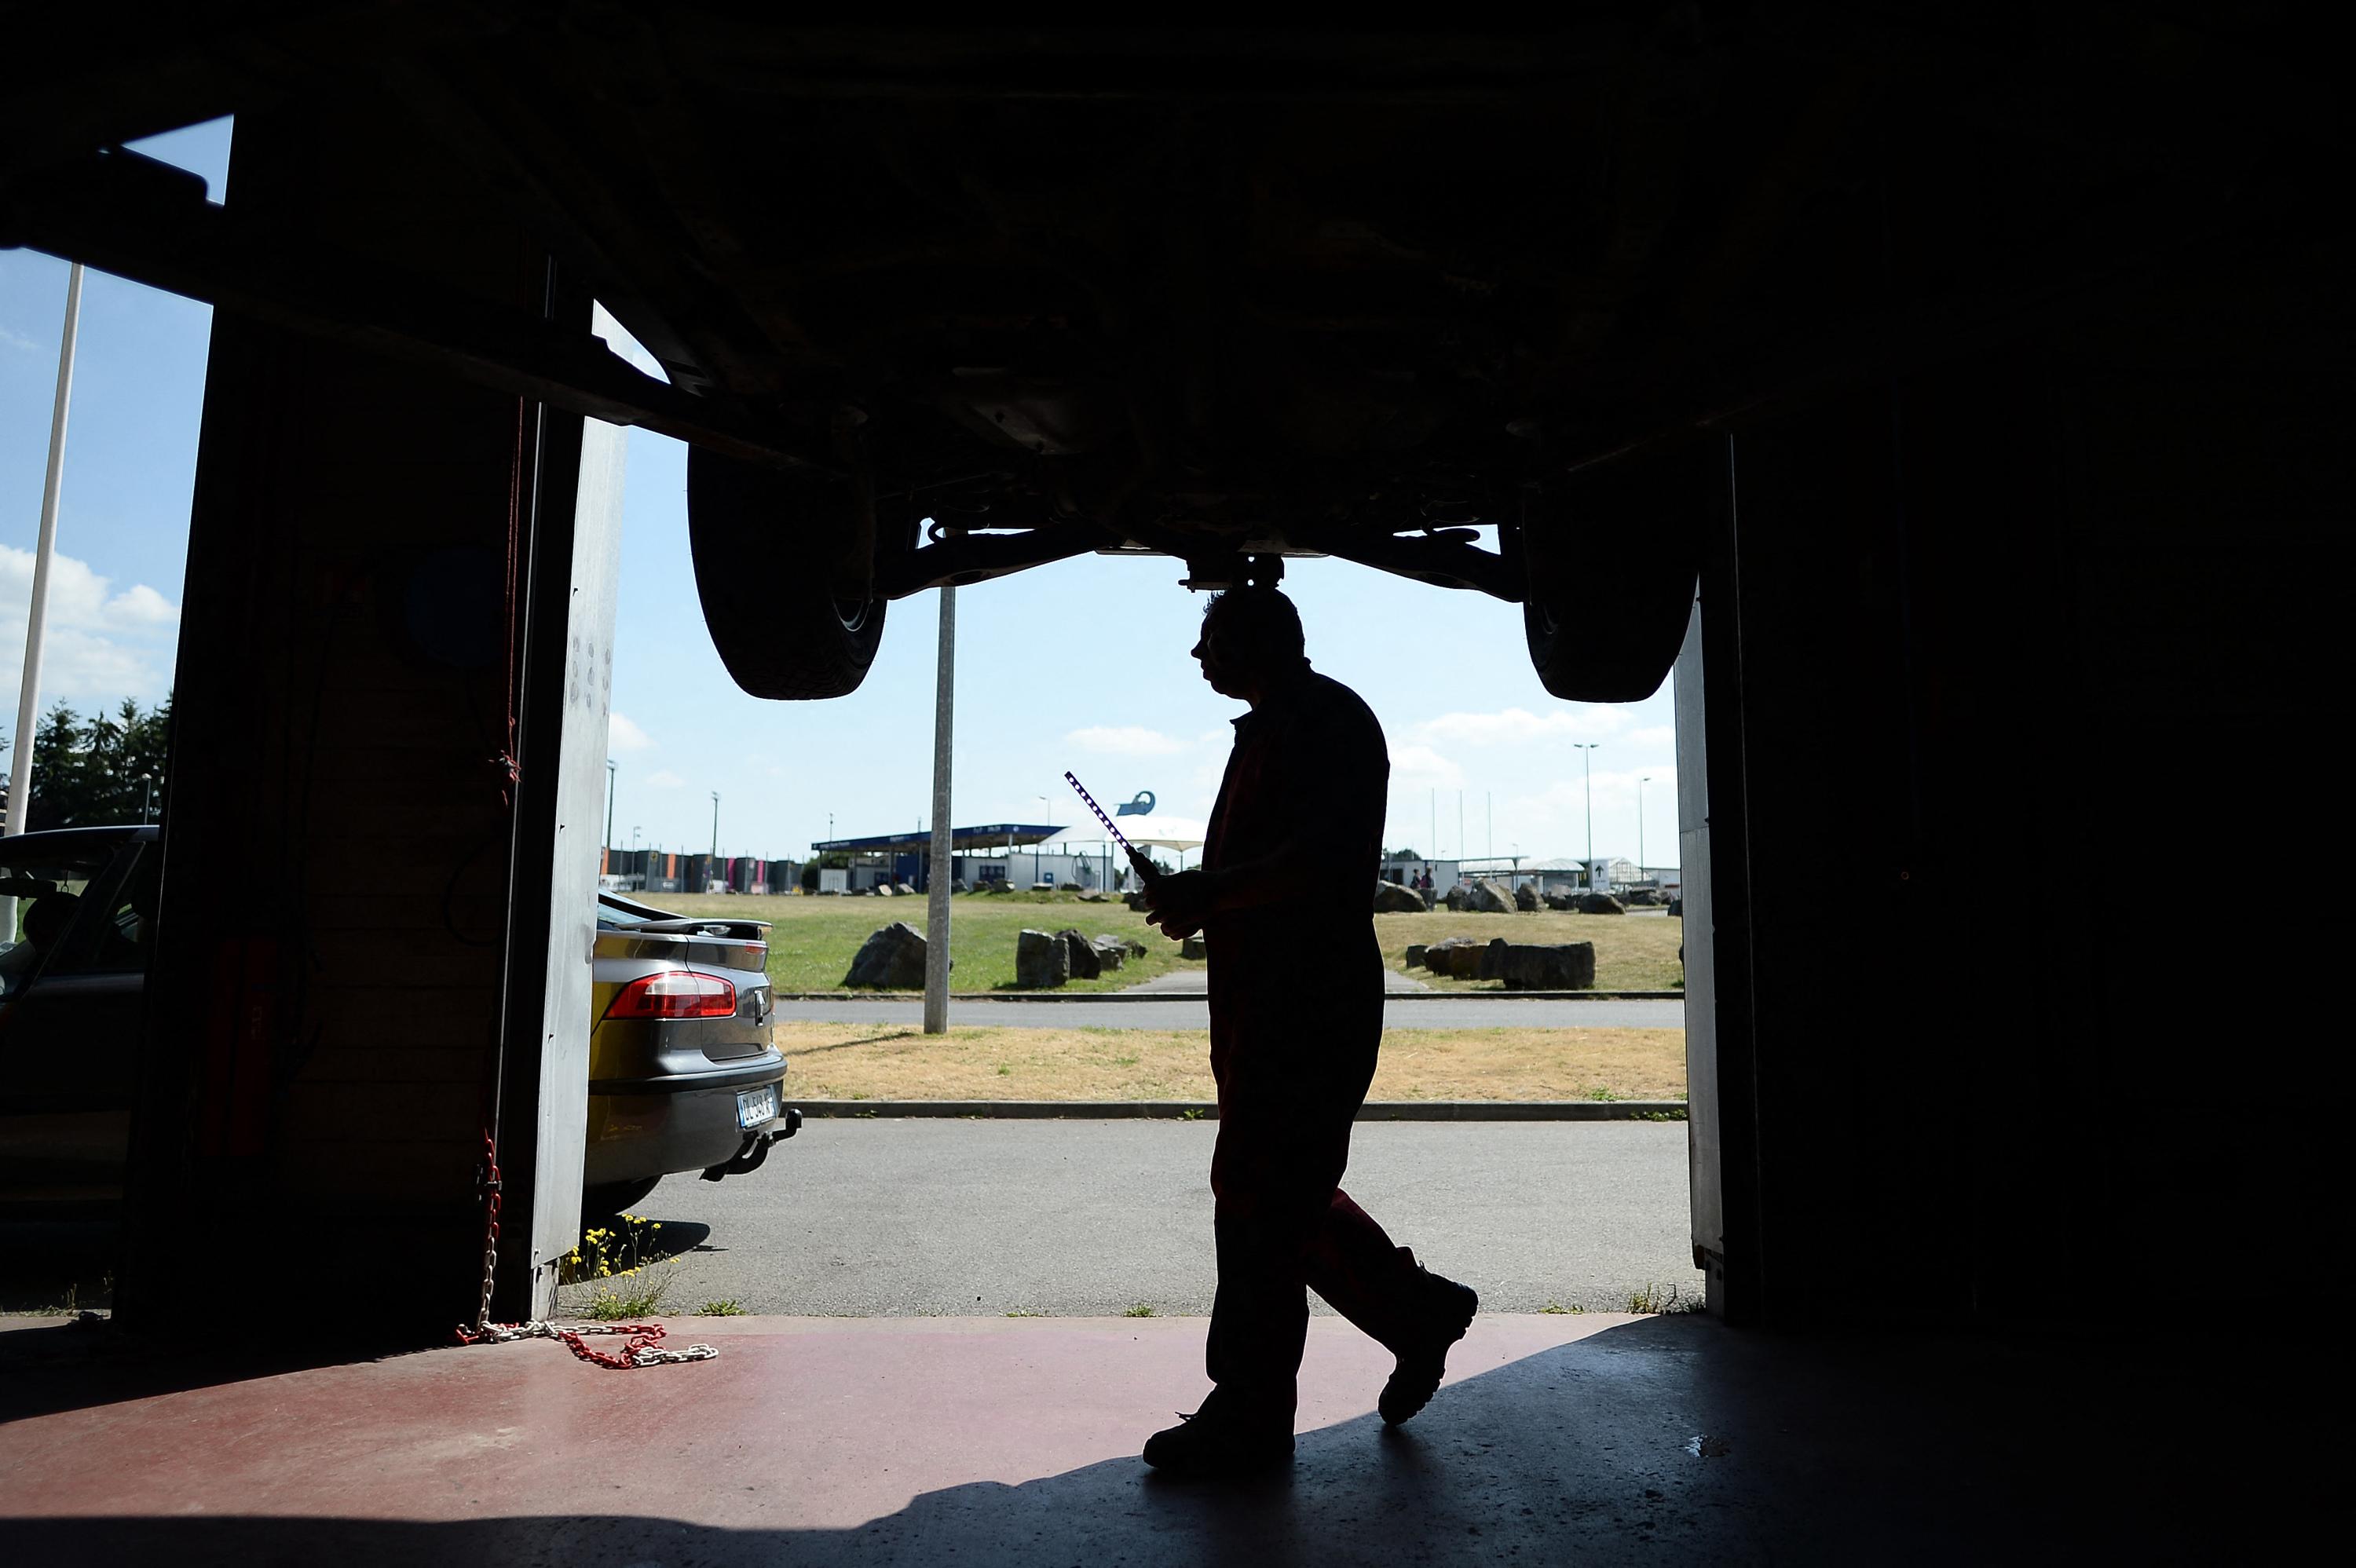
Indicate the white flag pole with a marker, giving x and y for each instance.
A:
(29, 696)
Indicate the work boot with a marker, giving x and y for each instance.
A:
(1449, 1312)
(1221, 1439)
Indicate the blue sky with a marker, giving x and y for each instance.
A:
(1080, 666)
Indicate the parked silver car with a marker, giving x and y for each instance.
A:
(682, 1074)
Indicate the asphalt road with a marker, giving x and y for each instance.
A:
(1179, 1011)
(914, 1217)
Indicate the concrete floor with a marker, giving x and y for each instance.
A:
(988, 1441)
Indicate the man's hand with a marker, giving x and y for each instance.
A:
(1180, 902)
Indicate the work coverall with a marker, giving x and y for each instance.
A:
(1296, 1019)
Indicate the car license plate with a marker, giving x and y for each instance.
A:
(757, 1105)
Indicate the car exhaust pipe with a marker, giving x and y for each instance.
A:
(757, 1149)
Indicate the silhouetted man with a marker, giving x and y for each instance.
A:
(1284, 902)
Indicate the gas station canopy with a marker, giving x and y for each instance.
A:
(962, 840)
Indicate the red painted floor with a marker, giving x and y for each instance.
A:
(982, 1441)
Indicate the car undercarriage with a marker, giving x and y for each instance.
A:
(933, 305)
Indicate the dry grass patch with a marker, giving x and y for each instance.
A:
(861, 1061)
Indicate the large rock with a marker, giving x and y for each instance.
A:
(1562, 900)
(1415, 952)
(1112, 952)
(1535, 966)
(1042, 961)
(1490, 896)
(1459, 898)
(884, 890)
(1082, 953)
(1645, 896)
(1600, 903)
(892, 959)
(1134, 898)
(1459, 957)
(1677, 908)
(1492, 960)
(1193, 948)
(1391, 898)
(1525, 898)
(903, 890)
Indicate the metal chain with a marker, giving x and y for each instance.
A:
(490, 1233)
(645, 1348)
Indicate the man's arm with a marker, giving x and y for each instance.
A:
(1182, 904)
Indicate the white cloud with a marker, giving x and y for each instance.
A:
(665, 779)
(622, 735)
(1654, 738)
(19, 342)
(97, 648)
(141, 605)
(1125, 740)
(1420, 767)
(1519, 726)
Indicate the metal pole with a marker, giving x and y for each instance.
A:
(609, 803)
(28, 695)
(936, 887)
(1587, 757)
(1640, 827)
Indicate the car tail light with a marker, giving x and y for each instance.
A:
(675, 993)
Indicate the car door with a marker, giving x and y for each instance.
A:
(70, 1032)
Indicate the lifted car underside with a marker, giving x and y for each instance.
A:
(935, 305)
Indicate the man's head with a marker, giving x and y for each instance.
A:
(1250, 636)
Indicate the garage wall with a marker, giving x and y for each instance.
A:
(323, 1045)
(2020, 608)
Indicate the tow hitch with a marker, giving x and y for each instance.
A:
(756, 1148)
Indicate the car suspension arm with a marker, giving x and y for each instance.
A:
(960, 559)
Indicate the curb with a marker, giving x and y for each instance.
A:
(1209, 1110)
(1194, 996)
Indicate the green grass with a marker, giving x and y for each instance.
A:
(1663, 1300)
(643, 1293)
(813, 940)
(723, 1307)
(1140, 1310)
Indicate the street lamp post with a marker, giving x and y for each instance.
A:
(146, 796)
(1587, 756)
(610, 769)
(1640, 783)
(940, 868)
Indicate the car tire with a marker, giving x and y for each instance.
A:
(1611, 558)
(764, 541)
(608, 1199)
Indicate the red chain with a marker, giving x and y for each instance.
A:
(643, 1337)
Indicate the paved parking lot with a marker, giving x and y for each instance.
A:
(1429, 1010)
(906, 1217)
